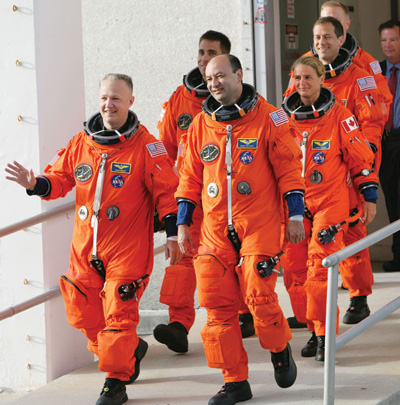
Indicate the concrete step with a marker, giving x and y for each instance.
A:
(367, 368)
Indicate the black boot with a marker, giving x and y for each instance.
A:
(113, 393)
(173, 335)
(295, 324)
(140, 352)
(357, 311)
(320, 355)
(310, 349)
(231, 393)
(393, 265)
(246, 323)
(285, 367)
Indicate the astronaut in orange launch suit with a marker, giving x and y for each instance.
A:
(120, 172)
(240, 160)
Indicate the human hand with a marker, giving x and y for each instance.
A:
(369, 212)
(185, 240)
(21, 175)
(295, 231)
(172, 250)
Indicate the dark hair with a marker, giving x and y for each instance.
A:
(235, 63)
(337, 25)
(389, 24)
(211, 35)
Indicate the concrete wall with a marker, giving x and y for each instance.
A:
(60, 70)
(156, 43)
(45, 89)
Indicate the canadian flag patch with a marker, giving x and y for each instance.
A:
(350, 124)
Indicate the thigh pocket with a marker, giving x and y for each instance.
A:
(217, 286)
(83, 306)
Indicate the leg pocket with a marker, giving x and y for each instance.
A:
(83, 305)
(222, 345)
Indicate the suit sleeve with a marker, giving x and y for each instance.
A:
(60, 174)
(167, 128)
(357, 154)
(191, 171)
(285, 157)
(371, 113)
(160, 177)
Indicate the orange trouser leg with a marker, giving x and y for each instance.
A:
(294, 263)
(118, 340)
(219, 291)
(317, 277)
(84, 308)
(356, 271)
(179, 283)
(177, 291)
(271, 326)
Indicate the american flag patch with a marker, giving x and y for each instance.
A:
(366, 83)
(279, 117)
(376, 67)
(156, 149)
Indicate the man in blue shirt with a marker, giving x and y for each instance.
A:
(389, 174)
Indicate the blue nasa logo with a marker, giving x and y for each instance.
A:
(319, 158)
(117, 181)
(246, 157)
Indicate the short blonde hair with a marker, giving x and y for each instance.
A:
(119, 76)
(312, 61)
(336, 4)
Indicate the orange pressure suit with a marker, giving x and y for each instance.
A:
(179, 284)
(137, 176)
(265, 166)
(334, 146)
(359, 93)
(365, 61)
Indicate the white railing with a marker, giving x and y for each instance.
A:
(331, 342)
(53, 292)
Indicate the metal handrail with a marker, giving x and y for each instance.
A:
(37, 219)
(331, 342)
(54, 292)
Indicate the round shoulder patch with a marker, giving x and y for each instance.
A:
(83, 172)
(209, 153)
(184, 120)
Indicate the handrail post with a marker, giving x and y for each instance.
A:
(330, 335)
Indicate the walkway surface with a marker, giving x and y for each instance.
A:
(367, 368)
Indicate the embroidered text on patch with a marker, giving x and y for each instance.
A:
(279, 117)
(156, 149)
(366, 83)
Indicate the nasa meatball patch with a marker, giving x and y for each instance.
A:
(117, 181)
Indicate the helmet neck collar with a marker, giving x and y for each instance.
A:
(218, 112)
(299, 112)
(94, 127)
(194, 83)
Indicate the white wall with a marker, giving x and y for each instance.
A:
(47, 91)
(156, 43)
